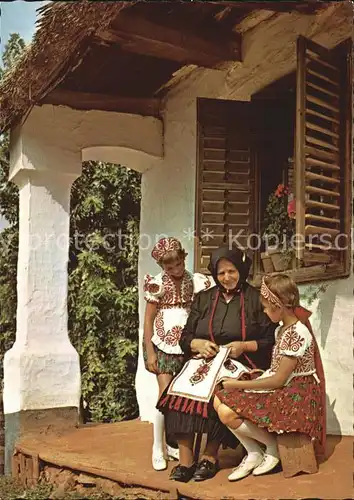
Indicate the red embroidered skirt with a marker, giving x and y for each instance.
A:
(296, 407)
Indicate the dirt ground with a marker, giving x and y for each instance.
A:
(121, 453)
(72, 486)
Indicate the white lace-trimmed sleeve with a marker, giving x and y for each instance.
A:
(202, 282)
(153, 288)
(295, 340)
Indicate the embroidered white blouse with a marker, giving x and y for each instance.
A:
(295, 341)
(173, 306)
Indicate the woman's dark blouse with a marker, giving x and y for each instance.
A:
(227, 324)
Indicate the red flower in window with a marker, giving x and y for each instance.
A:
(292, 209)
(278, 220)
(281, 191)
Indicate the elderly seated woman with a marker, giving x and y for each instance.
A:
(229, 314)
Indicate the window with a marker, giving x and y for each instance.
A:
(226, 200)
(295, 133)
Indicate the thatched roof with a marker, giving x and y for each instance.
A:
(60, 42)
(68, 51)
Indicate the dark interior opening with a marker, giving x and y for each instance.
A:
(274, 112)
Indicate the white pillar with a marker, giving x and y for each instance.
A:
(41, 370)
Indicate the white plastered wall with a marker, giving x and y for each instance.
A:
(41, 370)
(168, 190)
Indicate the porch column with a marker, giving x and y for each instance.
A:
(41, 370)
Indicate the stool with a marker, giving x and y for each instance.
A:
(297, 454)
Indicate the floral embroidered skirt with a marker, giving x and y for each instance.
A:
(296, 407)
(166, 363)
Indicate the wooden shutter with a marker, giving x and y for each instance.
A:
(323, 154)
(225, 179)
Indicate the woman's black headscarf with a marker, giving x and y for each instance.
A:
(238, 258)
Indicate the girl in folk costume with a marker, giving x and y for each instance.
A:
(288, 397)
(169, 296)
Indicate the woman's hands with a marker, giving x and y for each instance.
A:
(208, 349)
(237, 348)
(205, 348)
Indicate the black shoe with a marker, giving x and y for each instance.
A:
(205, 470)
(182, 474)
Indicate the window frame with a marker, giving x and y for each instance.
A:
(317, 272)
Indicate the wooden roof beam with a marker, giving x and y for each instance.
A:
(140, 36)
(103, 102)
(303, 6)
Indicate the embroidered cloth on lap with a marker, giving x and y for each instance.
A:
(198, 377)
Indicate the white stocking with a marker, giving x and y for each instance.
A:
(251, 430)
(159, 429)
(251, 446)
